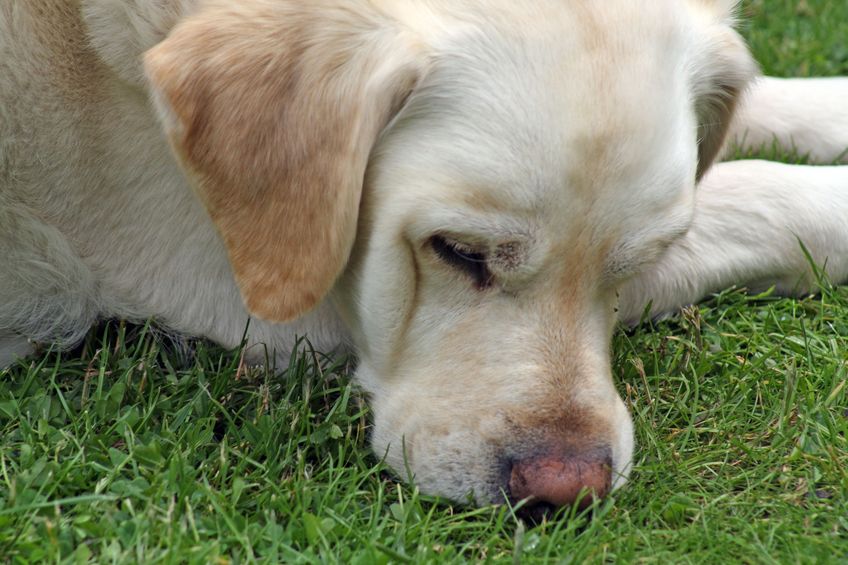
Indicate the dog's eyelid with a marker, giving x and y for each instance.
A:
(464, 258)
(462, 247)
(448, 248)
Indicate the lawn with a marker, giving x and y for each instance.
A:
(138, 448)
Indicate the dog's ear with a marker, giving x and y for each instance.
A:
(120, 31)
(273, 108)
(724, 70)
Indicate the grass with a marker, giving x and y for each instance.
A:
(133, 449)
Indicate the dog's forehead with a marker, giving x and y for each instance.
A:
(572, 103)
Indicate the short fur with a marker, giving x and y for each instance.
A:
(201, 161)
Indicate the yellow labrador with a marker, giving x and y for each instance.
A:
(460, 189)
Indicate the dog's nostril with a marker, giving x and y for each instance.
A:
(536, 512)
(551, 482)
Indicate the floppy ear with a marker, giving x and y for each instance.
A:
(121, 30)
(273, 108)
(725, 70)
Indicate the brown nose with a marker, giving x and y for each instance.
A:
(550, 482)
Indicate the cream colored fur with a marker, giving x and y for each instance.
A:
(560, 139)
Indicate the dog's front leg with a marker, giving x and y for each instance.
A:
(753, 221)
(803, 116)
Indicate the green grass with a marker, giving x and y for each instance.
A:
(135, 450)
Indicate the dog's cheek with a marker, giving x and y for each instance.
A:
(377, 298)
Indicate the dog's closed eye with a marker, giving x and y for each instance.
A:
(469, 261)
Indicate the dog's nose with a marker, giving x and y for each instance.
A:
(550, 482)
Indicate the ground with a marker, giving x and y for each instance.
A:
(137, 449)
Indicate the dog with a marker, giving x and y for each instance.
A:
(468, 194)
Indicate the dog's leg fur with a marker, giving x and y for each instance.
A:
(751, 219)
(47, 291)
(13, 347)
(807, 117)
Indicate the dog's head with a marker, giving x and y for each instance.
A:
(470, 182)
